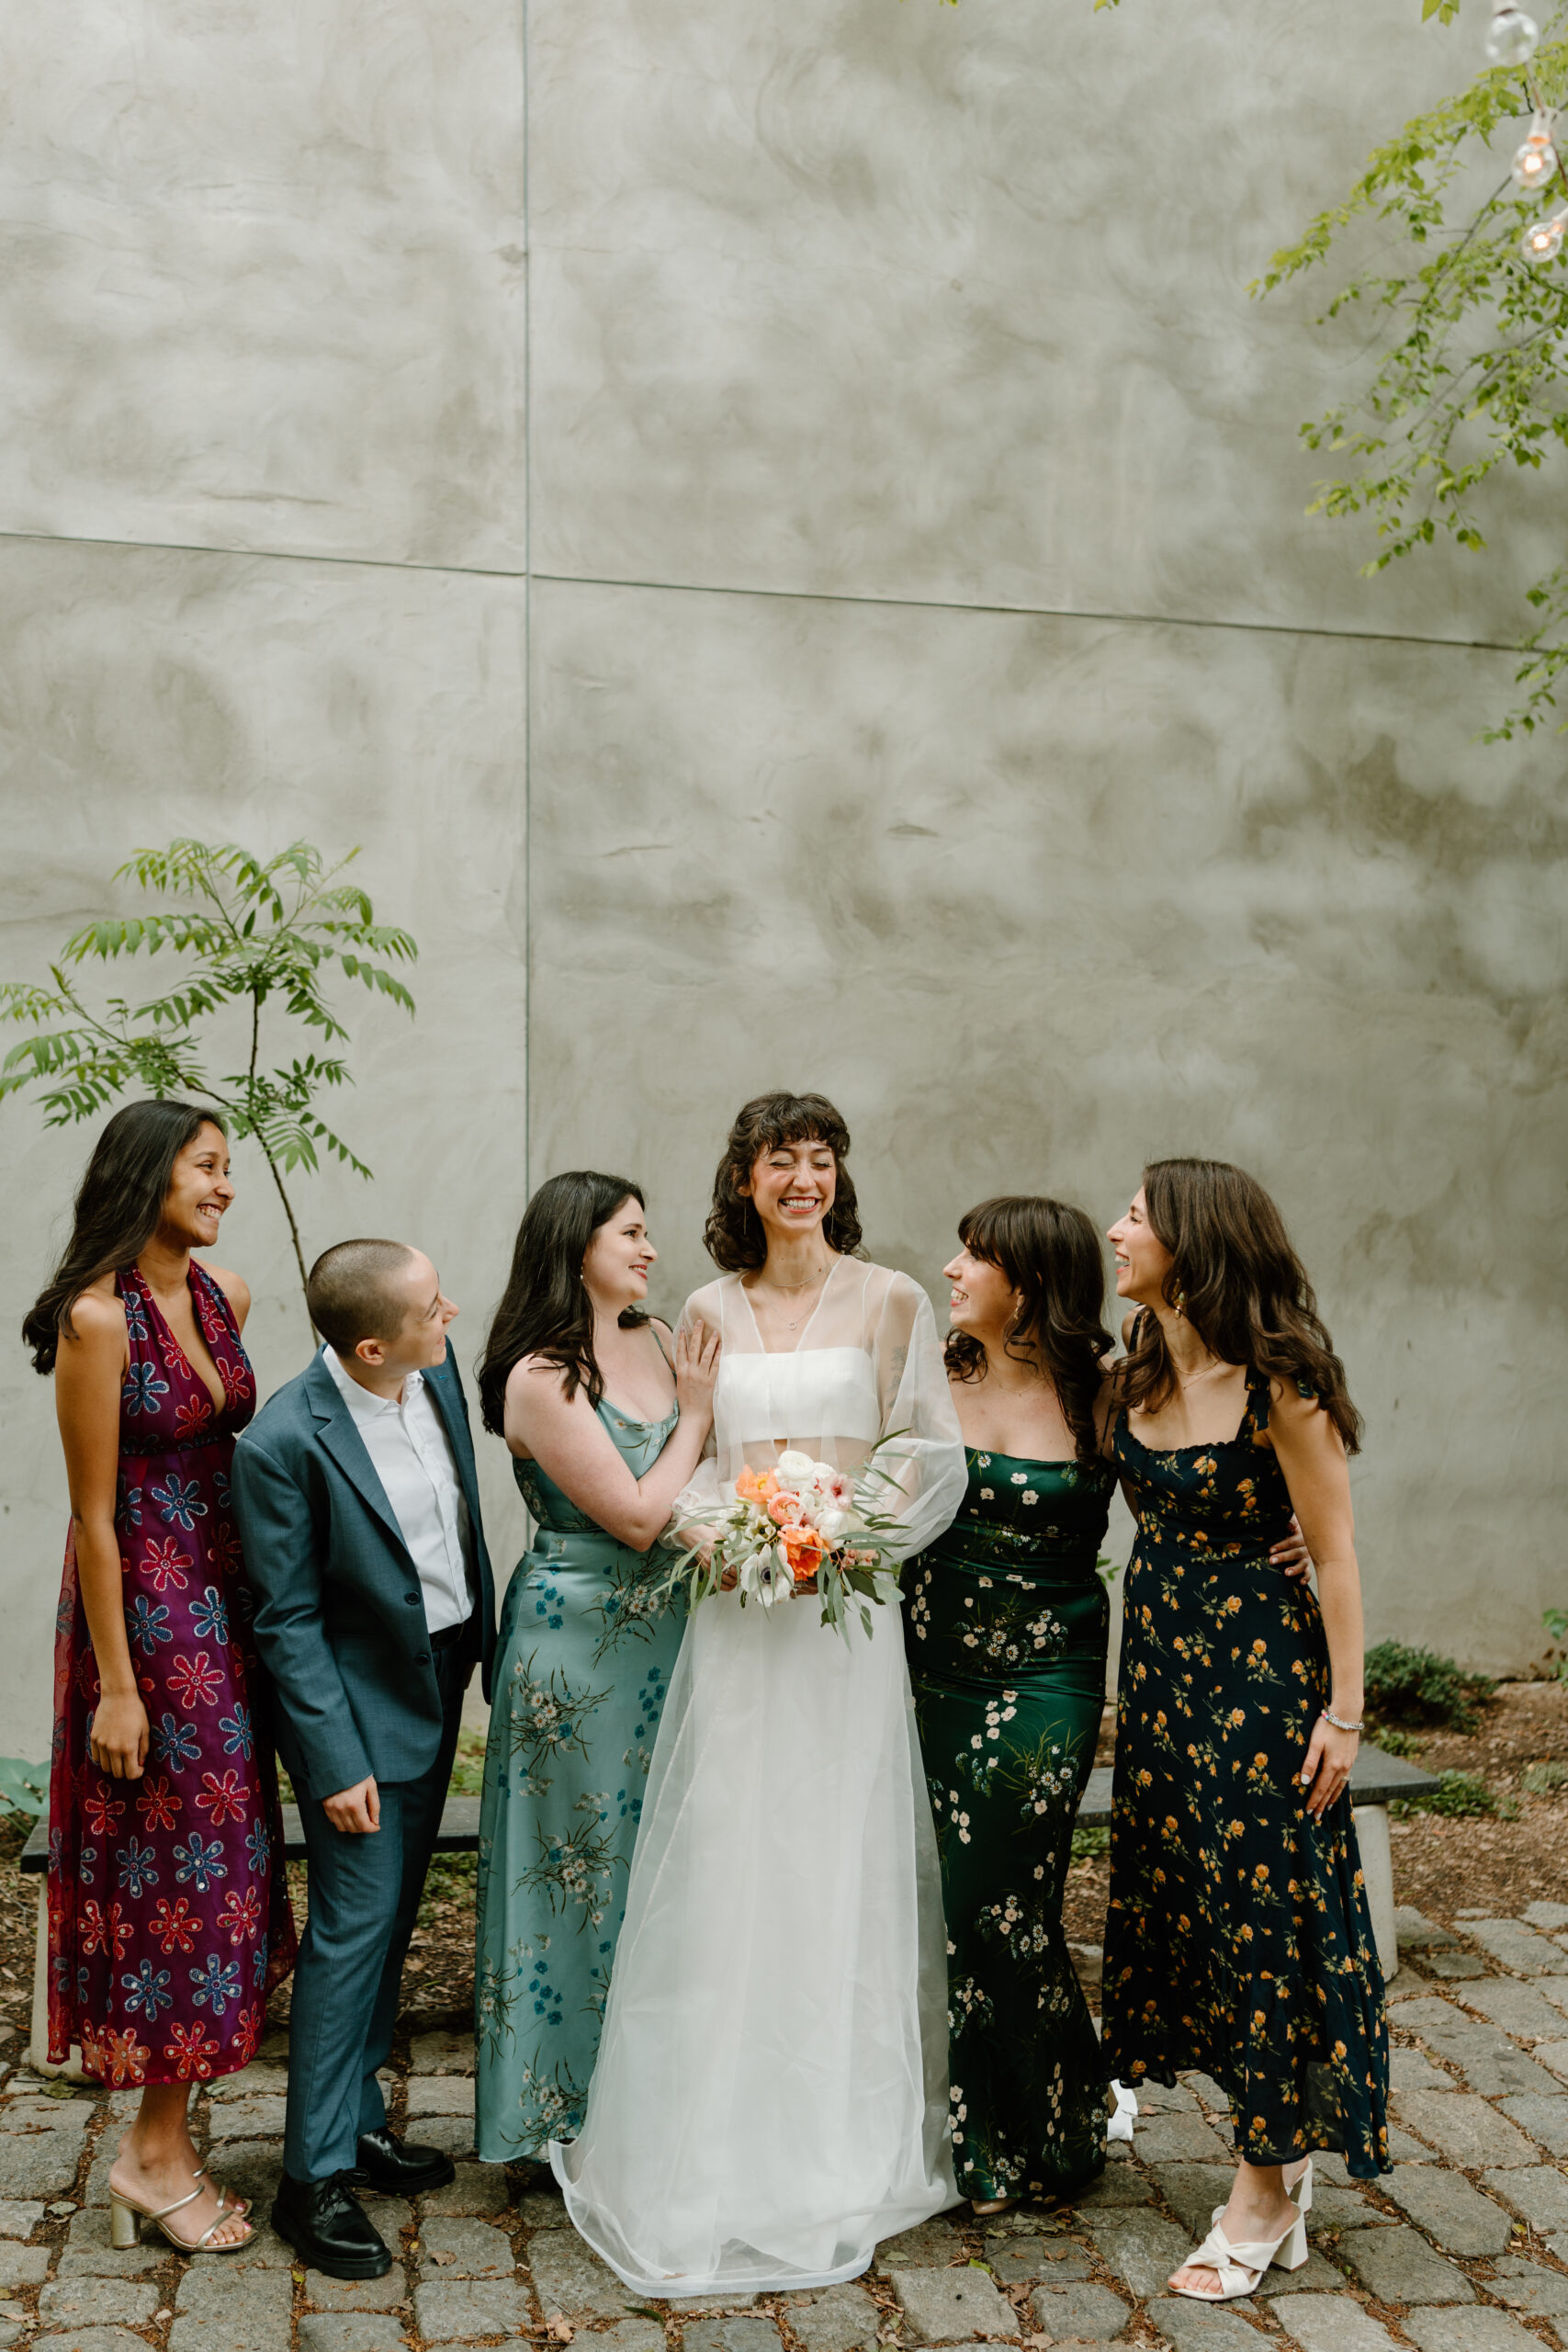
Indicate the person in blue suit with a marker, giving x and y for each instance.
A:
(359, 1515)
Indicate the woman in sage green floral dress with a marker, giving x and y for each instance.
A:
(1238, 1940)
(606, 1425)
(1005, 1626)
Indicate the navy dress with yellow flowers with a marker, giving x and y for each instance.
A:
(1237, 1939)
(1006, 1625)
(584, 1658)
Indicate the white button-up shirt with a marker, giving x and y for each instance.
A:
(412, 1455)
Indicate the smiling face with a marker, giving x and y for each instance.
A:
(420, 1340)
(199, 1190)
(792, 1187)
(615, 1262)
(983, 1302)
(1143, 1261)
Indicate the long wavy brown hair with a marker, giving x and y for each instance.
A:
(1240, 1284)
(1050, 1252)
(733, 1235)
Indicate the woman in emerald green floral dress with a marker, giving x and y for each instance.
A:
(605, 1421)
(1005, 1626)
(1238, 1940)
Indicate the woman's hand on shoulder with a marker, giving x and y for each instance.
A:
(697, 1350)
(235, 1289)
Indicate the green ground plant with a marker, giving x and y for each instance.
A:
(1463, 1797)
(259, 935)
(24, 1788)
(1418, 1688)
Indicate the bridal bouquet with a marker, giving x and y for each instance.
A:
(800, 1527)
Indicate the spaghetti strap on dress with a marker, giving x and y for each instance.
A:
(1238, 1936)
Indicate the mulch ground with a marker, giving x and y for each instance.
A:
(1444, 1868)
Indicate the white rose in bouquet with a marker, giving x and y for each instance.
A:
(794, 1470)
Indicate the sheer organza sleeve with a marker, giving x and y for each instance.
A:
(702, 1497)
(926, 1460)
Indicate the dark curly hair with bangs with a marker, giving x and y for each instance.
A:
(1050, 1252)
(733, 1235)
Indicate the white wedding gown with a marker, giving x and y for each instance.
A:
(771, 2093)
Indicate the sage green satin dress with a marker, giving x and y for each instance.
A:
(1007, 1626)
(582, 1664)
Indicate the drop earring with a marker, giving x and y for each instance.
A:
(1178, 1300)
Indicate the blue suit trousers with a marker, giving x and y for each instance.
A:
(364, 1900)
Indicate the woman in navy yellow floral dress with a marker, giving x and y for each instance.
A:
(604, 1429)
(1005, 1626)
(168, 1910)
(1239, 1938)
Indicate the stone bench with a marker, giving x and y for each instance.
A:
(1376, 1781)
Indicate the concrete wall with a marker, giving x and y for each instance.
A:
(782, 534)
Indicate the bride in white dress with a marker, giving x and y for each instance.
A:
(771, 2093)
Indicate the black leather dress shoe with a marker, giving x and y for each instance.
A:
(327, 2224)
(396, 2167)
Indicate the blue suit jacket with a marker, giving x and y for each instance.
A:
(340, 1617)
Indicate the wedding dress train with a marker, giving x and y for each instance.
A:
(771, 2094)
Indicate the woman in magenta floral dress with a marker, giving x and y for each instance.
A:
(168, 1909)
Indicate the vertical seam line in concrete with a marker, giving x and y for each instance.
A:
(527, 622)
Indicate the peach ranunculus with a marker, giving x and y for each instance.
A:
(756, 1487)
(803, 1548)
(786, 1510)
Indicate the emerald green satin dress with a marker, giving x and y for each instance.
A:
(1007, 1626)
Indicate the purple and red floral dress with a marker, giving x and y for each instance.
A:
(169, 1919)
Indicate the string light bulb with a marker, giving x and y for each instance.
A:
(1537, 159)
(1543, 239)
(1512, 36)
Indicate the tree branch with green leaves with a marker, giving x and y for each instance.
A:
(264, 936)
(1472, 378)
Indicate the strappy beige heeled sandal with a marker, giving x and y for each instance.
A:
(1238, 2269)
(126, 2217)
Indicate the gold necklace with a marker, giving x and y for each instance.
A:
(821, 1275)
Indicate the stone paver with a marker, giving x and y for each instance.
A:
(41, 2147)
(1518, 1947)
(440, 2053)
(254, 2081)
(251, 2119)
(1397, 2266)
(22, 2265)
(1194, 2328)
(1207, 2091)
(841, 2319)
(1538, 2192)
(454, 2135)
(1412, 2070)
(1158, 2098)
(1464, 2129)
(1315, 2277)
(1531, 2287)
(1141, 2247)
(98, 2302)
(465, 2249)
(20, 2217)
(1018, 2262)
(1454, 1966)
(1178, 2139)
(357, 2294)
(952, 2306)
(350, 2332)
(1478, 2330)
(1419, 1933)
(738, 2333)
(932, 2245)
(1518, 2008)
(1546, 2119)
(478, 2189)
(236, 2305)
(627, 2335)
(87, 2339)
(1455, 2216)
(1334, 2323)
(88, 2252)
(568, 2278)
(1079, 2312)
(1192, 2191)
(1555, 2055)
(457, 2309)
(1117, 2185)
(438, 2094)
(1550, 1917)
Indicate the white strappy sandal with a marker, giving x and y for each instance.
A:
(126, 2217)
(1299, 2191)
(1238, 2269)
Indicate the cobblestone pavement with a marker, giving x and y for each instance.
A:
(1462, 2248)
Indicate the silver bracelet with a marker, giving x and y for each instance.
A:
(1330, 1717)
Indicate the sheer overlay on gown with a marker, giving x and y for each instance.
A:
(771, 2093)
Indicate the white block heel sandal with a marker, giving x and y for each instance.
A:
(1238, 2269)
